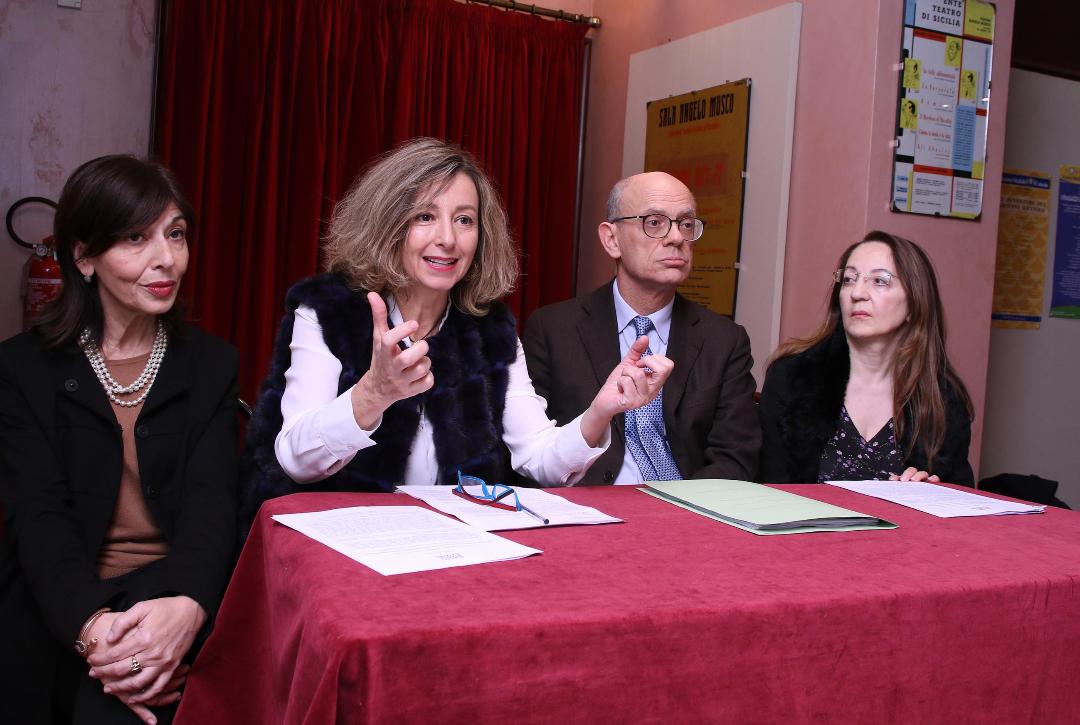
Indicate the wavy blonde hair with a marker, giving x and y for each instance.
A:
(369, 226)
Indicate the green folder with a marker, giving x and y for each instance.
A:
(760, 509)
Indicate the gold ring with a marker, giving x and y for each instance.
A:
(136, 668)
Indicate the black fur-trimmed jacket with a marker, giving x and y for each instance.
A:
(470, 357)
(800, 407)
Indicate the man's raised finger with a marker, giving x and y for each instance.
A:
(637, 377)
(660, 365)
(637, 349)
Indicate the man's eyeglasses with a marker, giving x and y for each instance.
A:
(878, 278)
(657, 226)
(498, 495)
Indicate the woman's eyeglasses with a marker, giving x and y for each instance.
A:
(879, 278)
(498, 495)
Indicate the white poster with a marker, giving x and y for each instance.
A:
(943, 105)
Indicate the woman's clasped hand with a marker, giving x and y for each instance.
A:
(138, 652)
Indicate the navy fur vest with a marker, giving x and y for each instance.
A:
(470, 357)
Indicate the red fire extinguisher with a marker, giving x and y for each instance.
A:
(41, 279)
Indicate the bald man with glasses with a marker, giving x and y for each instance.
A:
(704, 424)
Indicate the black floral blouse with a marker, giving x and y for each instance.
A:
(847, 457)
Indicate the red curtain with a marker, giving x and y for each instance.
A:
(267, 110)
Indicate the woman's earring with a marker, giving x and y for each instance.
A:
(88, 278)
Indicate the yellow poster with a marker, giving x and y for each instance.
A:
(979, 20)
(1023, 236)
(968, 84)
(700, 138)
(912, 74)
(909, 114)
(953, 48)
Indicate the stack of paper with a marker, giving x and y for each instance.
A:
(556, 509)
(938, 500)
(401, 539)
(760, 509)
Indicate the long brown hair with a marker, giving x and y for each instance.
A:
(921, 363)
(369, 226)
(103, 201)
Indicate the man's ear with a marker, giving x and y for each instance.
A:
(84, 265)
(609, 240)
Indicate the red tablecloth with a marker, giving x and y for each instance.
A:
(669, 617)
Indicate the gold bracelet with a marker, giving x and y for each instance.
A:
(83, 648)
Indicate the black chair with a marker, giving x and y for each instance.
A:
(1029, 488)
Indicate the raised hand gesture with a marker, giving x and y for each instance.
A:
(394, 374)
(635, 381)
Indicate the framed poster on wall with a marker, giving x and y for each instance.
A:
(1065, 298)
(1023, 239)
(700, 138)
(944, 102)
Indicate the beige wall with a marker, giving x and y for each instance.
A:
(841, 164)
(1032, 394)
(76, 84)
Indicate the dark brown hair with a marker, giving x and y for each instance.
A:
(921, 363)
(104, 200)
(369, 226)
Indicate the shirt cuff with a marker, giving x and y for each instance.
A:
(341, 434)
(576, 455)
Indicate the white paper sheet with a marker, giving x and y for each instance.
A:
(556, 509)
(402, 539)
(937, 500)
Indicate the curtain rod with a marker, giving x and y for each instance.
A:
(591, 21)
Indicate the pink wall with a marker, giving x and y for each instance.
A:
(627, 29)
(841, 161)
(76, 84)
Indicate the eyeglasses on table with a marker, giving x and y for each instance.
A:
(498, 495)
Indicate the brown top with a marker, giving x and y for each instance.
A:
(133, 539)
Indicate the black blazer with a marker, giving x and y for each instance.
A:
(60, 464)
(800, 406)
(571, 347)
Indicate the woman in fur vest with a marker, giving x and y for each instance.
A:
(872, 395)
(400, 365)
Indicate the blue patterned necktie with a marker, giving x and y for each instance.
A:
(645, 436)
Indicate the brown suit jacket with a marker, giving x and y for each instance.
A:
(712, 425)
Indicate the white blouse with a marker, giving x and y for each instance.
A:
(319, 434)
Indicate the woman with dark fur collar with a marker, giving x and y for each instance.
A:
(401, 366)
(872, 395)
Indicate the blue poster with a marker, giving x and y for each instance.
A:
(1065, 301)
(963, 143)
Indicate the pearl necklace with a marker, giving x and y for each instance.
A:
(145, 379)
